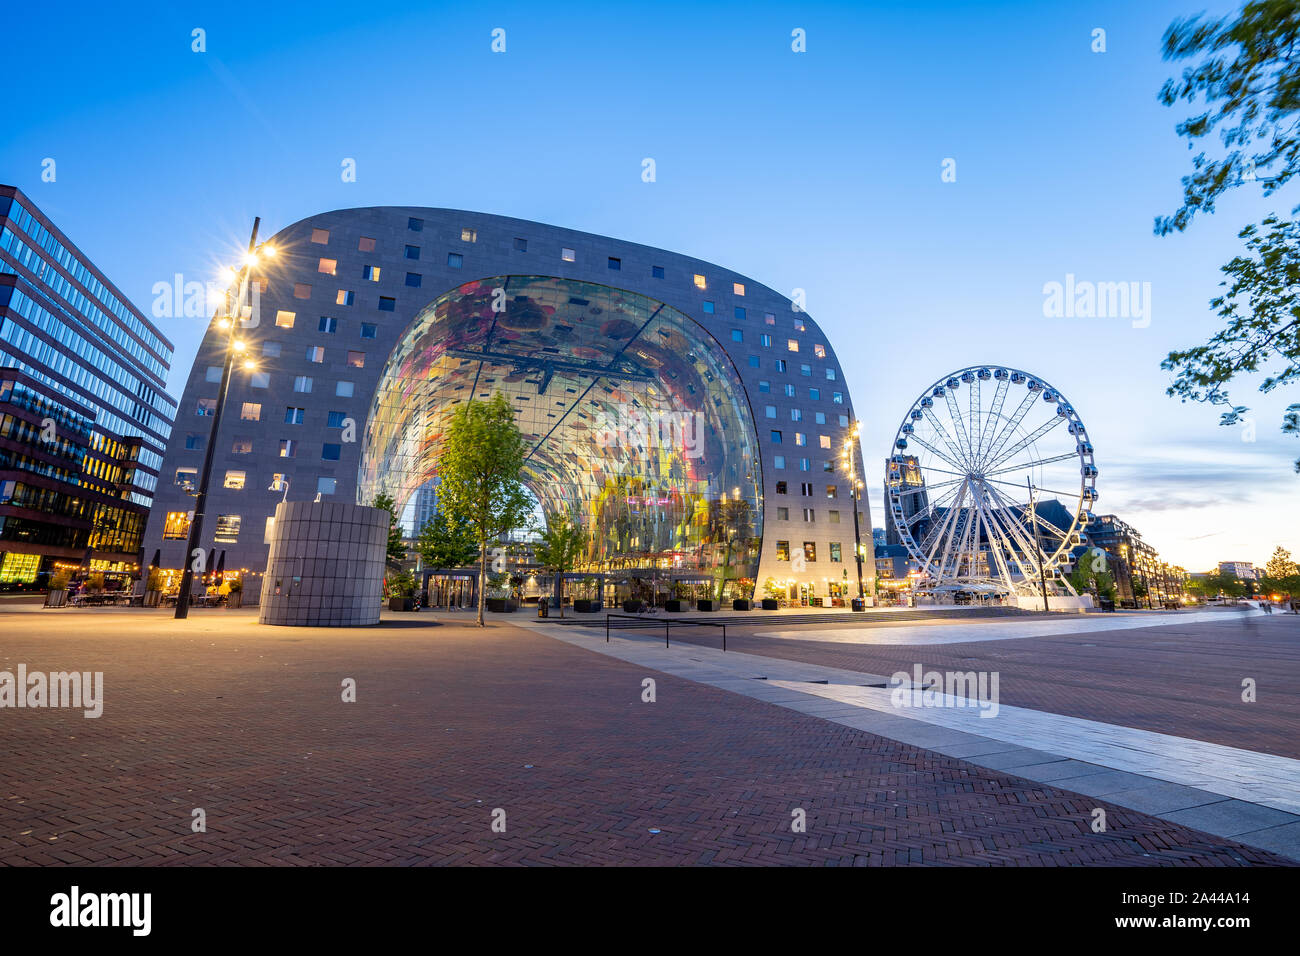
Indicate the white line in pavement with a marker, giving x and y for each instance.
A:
(1265, 779)
(967, 632)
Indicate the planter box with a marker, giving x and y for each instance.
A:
(401, 604)
(57, 598)
(770, 604)
(632, 607)
(741, 604)
(706, 605)
(674, 605)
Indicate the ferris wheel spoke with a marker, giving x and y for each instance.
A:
(1010, 425)
(976, 425)
(931, 508)
(995, 413)
(1050, 491)
(1030, 464)
(934, 451)
(959, 423)
(942, 432)
(1025, 547)
(1028, 440)
(998, 544)
(948, 521)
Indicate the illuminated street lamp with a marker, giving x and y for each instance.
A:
(848, 460)
(235, 348)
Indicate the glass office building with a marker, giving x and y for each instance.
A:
(690, 419)
(84, 420)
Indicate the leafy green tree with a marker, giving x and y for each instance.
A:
(446, 542)
(1280, 565)
(561, 545)
(1100, 583)
(396, 551)
(482, 456)
(1244, 86)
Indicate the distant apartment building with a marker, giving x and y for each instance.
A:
(1243, 570)
(84, 419)
(1141, 578)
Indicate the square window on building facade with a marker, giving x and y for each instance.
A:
(369, 330)
(656, 272)
(320, 236)
(176, 525)
(615, 263)
(285, 319)
(206, 407)
(776, 437)
(335, 419)
(331, 452)
(833, 517)
(301, 290)
(753, 361)
(835, 551)
(294, 416)
(251, 412)
(455, 260)
(782, 514)
(779, 462)
(370, 273)
(783, 550)
(737, 288)
(387, 303)
(521, 245)
(765, 386)
(412, 252)
(288, 448)
(809, 515)
(187, 477)
(819, 351)
(568, 255)
(328, 324)
(769, 411)
(413, 280)
(271, 349)
(214, 373)
(234, 480)
(810, 551)
(699, 281)
(259, 380)
(327, 266)
(708, 307)
(315, 353)
(781, 487)
(241, 446)
(415, 225)
(468, 235)
(737, 335)
(326, 486)
(227, 530)
(343, 390)
(344, 297)
(357, 359)
(366, 244)
(302, 383)
(769, 318)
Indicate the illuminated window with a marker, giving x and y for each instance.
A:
(320, 236)
(241, 446)
(824, 441)
(176, 525)
(301, 290)
(366, 244)
(327, 266)
(799, 326)
(568, 255)
(234, 480)
(819, 351)
(800, 438)
(357, 359)
(315, 353)
(769, 318)
(370, 273)
(344, 297)
(250, 412)
(285, 319)
(187, 478)
(810, 550)
(207, 406)
(699, 281)
(737, 288)
(837, 398)
(468, 235)
(792, 345)
(783, 550)
(288, 448)
(835, 552)
(832, 491)
(227, 530)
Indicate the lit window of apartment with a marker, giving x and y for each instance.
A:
(315, 353)
(824, 441)
(819, 351)
(234, 480)
(832, 491)
(176, 525)
(366, 244)
(468, 235)
(241, 446)
(302, 290)
(187, 477)
(328, 324)
(792, 345)
(835, 552)
(206, 408)
(357, 359)
(251, 412)
(699, 281)
(285, 319)
(769, 318)
(810, 551)
(227, 530)
(321, 237)
(737, 288)
(799, 326)
(370, 273)
(345, 297)
(288, 448)
(800, 439)
(568, 255)
(783, 550)
(328, 267)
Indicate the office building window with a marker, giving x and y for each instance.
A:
(335, 419)
(832, 491)
(241, 446)
(737, 335)
(737, 288)
(187, 478)
(819, 351)
(656, 272)
(781, 487)
(783, 514)
(824, 441)
(615, 263)
(833, 517)
(769, 411)
(765, 340)
(468, 235)
(820, 417)
(413, 280)
(796, 414)
(779, 365)
(835, 552)
(568, 255)
(830, 375)
(805, 370)
(176, 525)
(778, 462)
(259, 380)
(315, 353)
(769, 318)
(415, 225)
(271, 349)
(521, 245)
(776, 437)
(206, 407)
(708, 307)
(371, 273)
(739, 312)
(699, 281)
(810, 551)
(814, 394)
(765, 386)
(214, 373)
(809, 515)
(800, 439)
(234, 480)
(343, 390)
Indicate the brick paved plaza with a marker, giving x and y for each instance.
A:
(452, 722)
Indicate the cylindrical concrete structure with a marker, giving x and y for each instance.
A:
(326, 566)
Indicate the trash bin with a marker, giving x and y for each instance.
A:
(859, 604)
(543, 608)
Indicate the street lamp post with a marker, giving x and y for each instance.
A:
(855, 494)
(233, 345)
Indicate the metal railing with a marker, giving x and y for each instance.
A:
(632, 622)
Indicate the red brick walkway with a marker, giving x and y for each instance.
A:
(452, 722)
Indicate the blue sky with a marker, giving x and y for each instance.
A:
(818, 170)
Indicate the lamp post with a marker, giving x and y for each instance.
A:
(1042, 572)
(855, 494)
(233, 346)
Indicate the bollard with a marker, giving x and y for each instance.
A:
(724, 638)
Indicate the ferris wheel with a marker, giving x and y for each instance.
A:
(991, 482)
